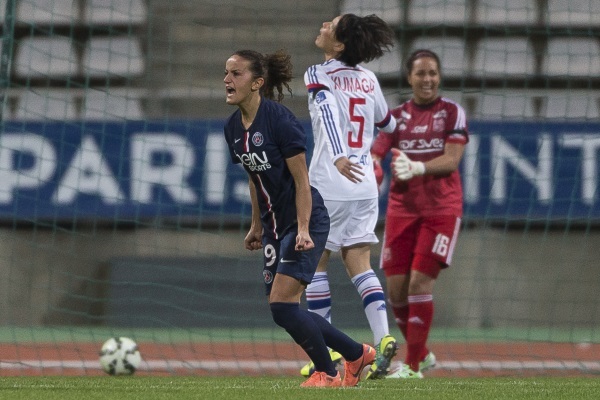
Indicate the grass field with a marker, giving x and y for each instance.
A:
(283, 388)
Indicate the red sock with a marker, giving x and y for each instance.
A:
(401, 314)
(420, 317)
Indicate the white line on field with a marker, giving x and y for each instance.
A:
(235, 365)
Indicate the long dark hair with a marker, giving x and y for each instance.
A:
(275, 69)
(364, 38)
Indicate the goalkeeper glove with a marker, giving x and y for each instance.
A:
(404, 168)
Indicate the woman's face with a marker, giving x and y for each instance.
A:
(239, 83)
(326, 40)
(424, 79)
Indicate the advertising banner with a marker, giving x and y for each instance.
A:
(142, 170)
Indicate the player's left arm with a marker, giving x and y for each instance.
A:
(447, 162)
(297, 167)
(405, 169)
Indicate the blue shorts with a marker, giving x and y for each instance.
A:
(280, 256)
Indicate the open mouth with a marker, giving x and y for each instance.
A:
(229, 90)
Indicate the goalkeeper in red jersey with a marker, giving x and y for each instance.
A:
(424, 205)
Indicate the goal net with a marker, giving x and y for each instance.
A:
(121, 214)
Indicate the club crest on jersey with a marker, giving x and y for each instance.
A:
(440, 114)
(268, 276)
(258, 139)
(319, 97)
(438, 125)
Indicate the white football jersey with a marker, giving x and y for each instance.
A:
(346, 105)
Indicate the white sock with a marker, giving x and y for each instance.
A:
(318, 296)
(369, 287)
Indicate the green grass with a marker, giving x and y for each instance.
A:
(282, 388)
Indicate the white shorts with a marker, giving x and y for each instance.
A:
(352, 222)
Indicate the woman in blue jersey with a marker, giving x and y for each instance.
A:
(289, 220)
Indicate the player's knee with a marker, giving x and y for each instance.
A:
(282, 313)
(396, 295)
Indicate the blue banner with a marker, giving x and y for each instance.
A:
(140, 170)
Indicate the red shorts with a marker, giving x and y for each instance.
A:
(425, 244)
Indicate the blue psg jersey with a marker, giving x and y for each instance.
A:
(275, 134)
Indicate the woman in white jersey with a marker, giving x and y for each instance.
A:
(346, 104)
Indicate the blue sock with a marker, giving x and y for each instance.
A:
(350, 349)
(305, 332)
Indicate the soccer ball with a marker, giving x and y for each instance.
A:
(120, 356)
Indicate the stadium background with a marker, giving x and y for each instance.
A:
(121, 216)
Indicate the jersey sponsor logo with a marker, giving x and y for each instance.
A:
(254, 162)
(421, 144)
(258, 139)
(419, 129)
(359, 159)
(353, 84)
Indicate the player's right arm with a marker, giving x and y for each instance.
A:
(253, 240)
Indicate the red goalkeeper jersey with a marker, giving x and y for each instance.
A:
(421, 133)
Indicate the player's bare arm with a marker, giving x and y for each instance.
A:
(405, 169)
(350, 170)
(253, 239)
(297, 167)
(447, 162)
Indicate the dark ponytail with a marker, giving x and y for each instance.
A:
(275, 69)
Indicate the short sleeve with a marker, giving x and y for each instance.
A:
(316, 79)
(290, 135)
